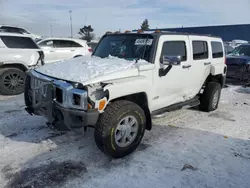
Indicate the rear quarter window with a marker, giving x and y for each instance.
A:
(19, 42)
(217, 49)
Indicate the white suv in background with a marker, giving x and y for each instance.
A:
(56, 49)
(20, 30)
(18, 54)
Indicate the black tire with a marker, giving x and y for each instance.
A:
(108, 122)
(77, 56)
(208, 96)
(18, 78)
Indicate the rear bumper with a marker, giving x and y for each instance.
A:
(42, 101)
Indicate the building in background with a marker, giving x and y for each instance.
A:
(226, 32)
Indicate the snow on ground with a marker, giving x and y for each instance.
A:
(188, 148)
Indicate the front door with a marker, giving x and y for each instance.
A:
(201, 63)
(48, 48)
(172, 85)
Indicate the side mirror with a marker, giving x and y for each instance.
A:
(171, 60)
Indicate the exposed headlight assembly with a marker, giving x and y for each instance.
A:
(77, 98)
(70, 96)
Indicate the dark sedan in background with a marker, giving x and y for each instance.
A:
(238, 63)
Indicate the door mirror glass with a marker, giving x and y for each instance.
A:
(171, 60)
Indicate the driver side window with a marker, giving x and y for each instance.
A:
(174, 48)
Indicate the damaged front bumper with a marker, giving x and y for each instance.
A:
(63, 105)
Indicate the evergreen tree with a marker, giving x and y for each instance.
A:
(86, 33)
(145, 25)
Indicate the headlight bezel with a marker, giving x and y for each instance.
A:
(83, 96)
(68, 95)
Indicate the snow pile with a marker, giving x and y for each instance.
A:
(86, 67)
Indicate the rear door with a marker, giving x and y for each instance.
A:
(66, 49)
(201, 63)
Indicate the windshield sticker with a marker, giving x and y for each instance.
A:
(49, 42)
(143, 41)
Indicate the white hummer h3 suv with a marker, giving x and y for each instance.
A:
(130, 78)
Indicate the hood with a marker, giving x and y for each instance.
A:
(91, 69)
(237, 60)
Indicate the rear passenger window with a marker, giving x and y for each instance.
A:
(174, 48)
(66, 44)
(217, 49)
(19, 42)
(47, 43)
(200, 50)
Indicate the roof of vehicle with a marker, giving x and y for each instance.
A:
(62, 38)
(12, 26)
(12, 34)
(245, 44)
(167, 33)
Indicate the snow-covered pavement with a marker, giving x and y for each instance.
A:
(188, 148)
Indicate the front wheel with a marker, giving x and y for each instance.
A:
(120, 128)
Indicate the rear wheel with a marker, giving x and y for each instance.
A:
(120, 128)
(210, 97)
(12, 81)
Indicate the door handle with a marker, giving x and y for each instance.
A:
(207, 63)
(186, 66)
(51, 51)
(72, 50)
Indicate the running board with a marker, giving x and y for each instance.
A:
(182, 105)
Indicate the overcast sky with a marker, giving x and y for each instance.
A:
(111, 15)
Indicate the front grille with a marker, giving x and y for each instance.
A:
(44, 90)
(59, 95)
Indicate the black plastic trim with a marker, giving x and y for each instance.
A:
(193, 102)
(164, 72)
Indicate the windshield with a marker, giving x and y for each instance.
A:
(243, 50)
(129, 46)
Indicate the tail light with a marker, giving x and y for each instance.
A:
(41, 57)
(90, 50)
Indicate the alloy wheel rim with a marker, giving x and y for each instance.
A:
(13, 81)
(126, 131)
